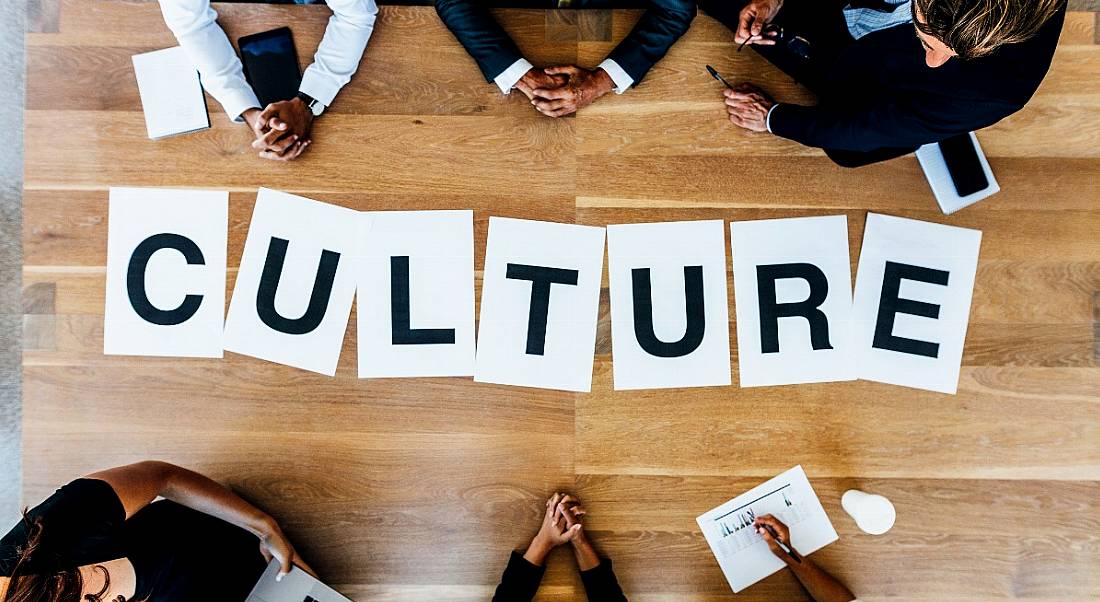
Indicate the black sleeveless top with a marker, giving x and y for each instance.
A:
(178, 553)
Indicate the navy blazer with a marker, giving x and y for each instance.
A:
(879, 93)
(662, 24)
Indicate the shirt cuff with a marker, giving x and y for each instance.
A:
(622, 79)
(508, 78)
(318, 87)
(768, 120)
(238, 100)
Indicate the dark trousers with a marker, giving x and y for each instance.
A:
(821, 22)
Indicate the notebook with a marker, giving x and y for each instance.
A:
(742, 553)
(171, 95)
(939, 179)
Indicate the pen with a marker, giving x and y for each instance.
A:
(714, 73)
(789, 550)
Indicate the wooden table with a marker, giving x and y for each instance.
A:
(417, 489)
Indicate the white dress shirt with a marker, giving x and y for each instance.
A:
(336, 59)
(510, 76)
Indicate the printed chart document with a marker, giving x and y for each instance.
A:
(741, 552)
(171, 95)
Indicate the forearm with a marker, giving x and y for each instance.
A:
(201, 493)
(194, 24)
(822, 586)
(337, 57)
(587, 557)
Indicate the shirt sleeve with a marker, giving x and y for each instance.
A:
(600, 583)
(520, 581)
(81, 524)
(508, 78)
(194, 24)
(338, 55)
(622, 79)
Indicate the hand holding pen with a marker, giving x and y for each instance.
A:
(778, 537)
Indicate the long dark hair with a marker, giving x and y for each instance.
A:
(63, 585)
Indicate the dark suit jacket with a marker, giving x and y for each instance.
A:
(662, 24)
(879, 94)
(521, 580)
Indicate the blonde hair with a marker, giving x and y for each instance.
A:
(974, 28)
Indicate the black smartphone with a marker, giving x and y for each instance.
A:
(964, 165)
(271, 65)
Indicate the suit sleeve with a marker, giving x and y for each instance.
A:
(481, 35)
(520, 581)
(662, 24)
(887, 123)
(600, 584)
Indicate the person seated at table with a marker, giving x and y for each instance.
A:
(561, 522)
(563, 89)
(104, 538)
(282, 129)
(821, 586)
(890, 75)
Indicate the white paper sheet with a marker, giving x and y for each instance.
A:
(943, 187)
(669, 251)
(201, 218)
(435, 249)
(932, 249)
(563, 360)
(309, 228)
(742, 553)
(171, 96)
(820, 242)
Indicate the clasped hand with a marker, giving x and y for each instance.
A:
(559, 91)
(281, 129)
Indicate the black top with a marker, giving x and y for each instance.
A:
(521, 580)
(662, 24)
(878, 93)
(178, 554)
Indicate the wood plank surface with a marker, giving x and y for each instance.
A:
(409, 490)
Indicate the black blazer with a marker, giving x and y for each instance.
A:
(880, 94)
(662, 24)
(521, 581)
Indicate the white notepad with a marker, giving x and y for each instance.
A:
(171, 95)
(741, 552)
(939, 179)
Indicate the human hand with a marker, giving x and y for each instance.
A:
(283, 130)
(581, 88)
(273, 544)
(755, 15)
(552, 533)
(780, 529)
(537, 78)
(570, 509)
(748, 106)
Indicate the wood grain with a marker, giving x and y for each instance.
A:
(997, 487)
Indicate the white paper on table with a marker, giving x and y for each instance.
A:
(134, 215)
(943, 187)
(570, 342)
(821, 242)
(741, 552)
(171, 95)
(309, 227)
(928, 246)
(666, 249)
(438, 247)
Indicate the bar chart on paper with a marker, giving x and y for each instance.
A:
(741, 551)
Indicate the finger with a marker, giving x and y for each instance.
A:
(561, 70)
(572, 532)
(281, 145)
(738, 120)
(268, 112)
(267, 139)
(550, 105)
(744, 28)
(757, 27)
(559, 112)
(296, 152)
(763, 41)
(552, 93)
(568, 499)
(278, 124)
(285, 566)
(527, 90)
